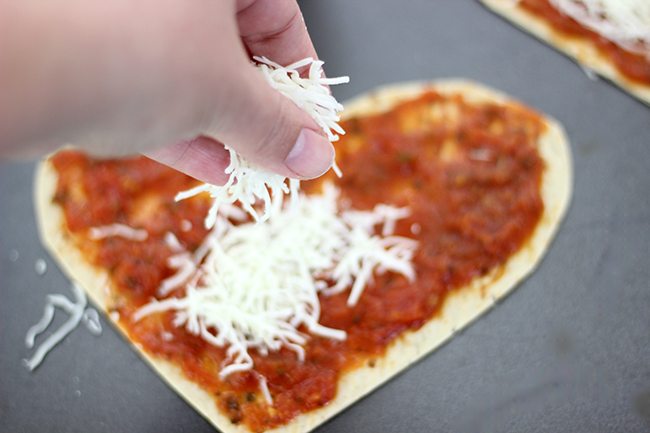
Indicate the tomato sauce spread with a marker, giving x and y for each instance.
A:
(634, 66)
(470, 174)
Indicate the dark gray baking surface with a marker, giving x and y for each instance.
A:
(568, 351)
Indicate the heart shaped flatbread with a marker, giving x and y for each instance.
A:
(487, 181)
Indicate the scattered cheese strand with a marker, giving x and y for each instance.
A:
(119, 230)
(247, 184)
(78, 313)
(252, 286)
(624, 22)
(264, 387)
(172, 242)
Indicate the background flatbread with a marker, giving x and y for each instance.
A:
(460, 308)
(581, 50)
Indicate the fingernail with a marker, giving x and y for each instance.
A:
(311, 156)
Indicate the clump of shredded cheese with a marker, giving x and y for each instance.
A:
(248, 184)
(78, 313)
(253, 286)
(624, 22)
(310, 93)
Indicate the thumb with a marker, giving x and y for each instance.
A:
(269, 130)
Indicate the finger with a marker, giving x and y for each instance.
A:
(269, 130)
(274, 29)
(202, 158)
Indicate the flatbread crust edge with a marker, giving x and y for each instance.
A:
(460, 308)
(582, 51)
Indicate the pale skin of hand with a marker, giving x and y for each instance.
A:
(171, 79)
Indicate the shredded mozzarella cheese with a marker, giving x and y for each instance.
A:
(253, 286)
(247, 184)
(172, 242)
(311, 93)
(264, 388)
(78, 313)
(117, 230)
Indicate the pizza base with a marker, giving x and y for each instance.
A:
(461, 307)
(581, 50)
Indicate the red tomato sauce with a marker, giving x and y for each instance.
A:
(472, 182)
(634, 66)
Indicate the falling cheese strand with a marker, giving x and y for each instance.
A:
(253, 286)
(624, 22)
(249, 185)
(78, 313)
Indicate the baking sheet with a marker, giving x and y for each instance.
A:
(569, 350)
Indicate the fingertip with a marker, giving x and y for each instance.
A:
(312, 155)
(201, 158)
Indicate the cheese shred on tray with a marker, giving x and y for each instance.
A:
(78, 313)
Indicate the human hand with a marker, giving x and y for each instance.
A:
(122, 77)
